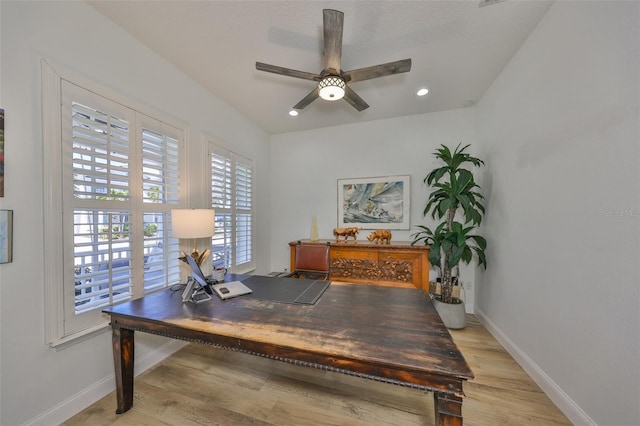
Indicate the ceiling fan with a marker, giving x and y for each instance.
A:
(332, 81)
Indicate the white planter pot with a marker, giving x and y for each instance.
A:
(453, 315)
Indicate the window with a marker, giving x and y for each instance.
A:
(113, 181)
(231, 197)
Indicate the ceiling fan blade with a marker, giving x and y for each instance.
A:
(354, 100)
(367, 73)
(287, 71)
(333, 22)
(307, 99)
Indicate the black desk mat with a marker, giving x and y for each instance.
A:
(285, 290)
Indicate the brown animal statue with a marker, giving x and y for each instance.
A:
(346, 233)
(380, 236)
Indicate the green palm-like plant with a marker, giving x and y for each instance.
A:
(454, 189)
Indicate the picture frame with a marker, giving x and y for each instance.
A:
(374, 203)
(6, 236)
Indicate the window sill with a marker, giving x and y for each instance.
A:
(72, 339)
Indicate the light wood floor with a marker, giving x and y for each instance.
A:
(200, 385)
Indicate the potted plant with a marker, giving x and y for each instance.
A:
(452, 241)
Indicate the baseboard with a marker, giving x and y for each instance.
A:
(91, 394)
(570, 409)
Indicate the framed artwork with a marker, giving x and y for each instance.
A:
(1, 153)
(6, 236)
(374, 203)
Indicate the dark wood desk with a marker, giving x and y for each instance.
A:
(387, 334)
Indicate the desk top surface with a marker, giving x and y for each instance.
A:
(372, 326)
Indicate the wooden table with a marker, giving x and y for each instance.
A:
(387, 334)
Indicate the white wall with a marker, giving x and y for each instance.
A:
(559, 132)
(560, 128)
(306, 167)
(39, 383)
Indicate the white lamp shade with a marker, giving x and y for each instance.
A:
(193, 223)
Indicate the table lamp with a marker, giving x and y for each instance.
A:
(193, 223)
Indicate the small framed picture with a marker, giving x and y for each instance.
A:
(6, 236)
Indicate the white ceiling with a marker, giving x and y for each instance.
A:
(457, 50)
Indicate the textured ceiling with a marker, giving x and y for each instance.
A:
(457, 50)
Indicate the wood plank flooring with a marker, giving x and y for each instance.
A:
(200, 385)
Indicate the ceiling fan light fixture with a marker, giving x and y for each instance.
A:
(331, 88)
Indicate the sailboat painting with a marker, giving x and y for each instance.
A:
(374, 203)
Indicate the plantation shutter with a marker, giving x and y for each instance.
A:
(244, 211)
(221, 197)
(120, 180)
(97, 199)
(160, 194)
(231, 197)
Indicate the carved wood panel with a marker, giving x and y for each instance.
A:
(384, 270)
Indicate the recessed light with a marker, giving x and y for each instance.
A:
(293, 113)
(422, 92)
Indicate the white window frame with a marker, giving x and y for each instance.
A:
(57, 332)
(233, 210)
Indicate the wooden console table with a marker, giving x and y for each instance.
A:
(398, 264)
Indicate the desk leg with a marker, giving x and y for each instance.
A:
(448, 409)
(123, 346)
